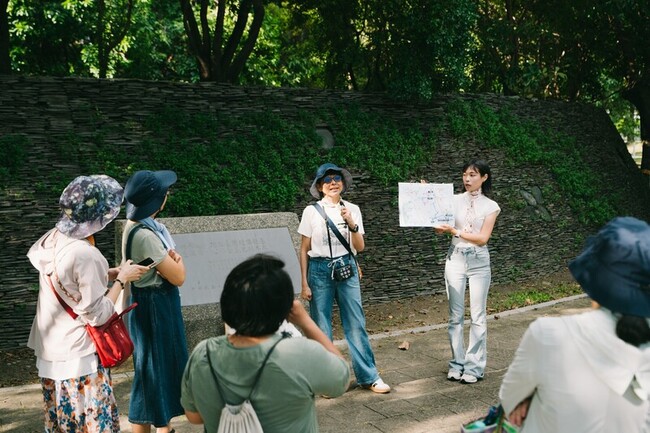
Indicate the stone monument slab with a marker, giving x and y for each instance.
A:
(211, 247)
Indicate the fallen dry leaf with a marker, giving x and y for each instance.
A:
(405, 345)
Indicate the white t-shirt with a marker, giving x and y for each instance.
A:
(314, 226)
(483, 207)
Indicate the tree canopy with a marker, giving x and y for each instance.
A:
(585, 50)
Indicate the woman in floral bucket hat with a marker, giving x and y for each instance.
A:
(77, 389)
(590, 372)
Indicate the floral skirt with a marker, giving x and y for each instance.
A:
(82, 405)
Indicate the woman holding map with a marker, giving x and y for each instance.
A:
(468, 258)
(332, 234)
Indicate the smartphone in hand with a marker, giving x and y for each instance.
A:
(146, 262)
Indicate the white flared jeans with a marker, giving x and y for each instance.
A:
(468, 264)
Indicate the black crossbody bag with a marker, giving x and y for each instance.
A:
(340, 271)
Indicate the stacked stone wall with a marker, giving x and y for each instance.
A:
(529, 241)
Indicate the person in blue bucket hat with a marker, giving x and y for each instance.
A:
(332, 235)
(77, 390)
(590, 372)
(156, 326)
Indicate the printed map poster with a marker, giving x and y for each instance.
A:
(426, 204)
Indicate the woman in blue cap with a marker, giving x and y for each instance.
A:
(77, 389)
(590, 372)
(156, 326)
(332, 234)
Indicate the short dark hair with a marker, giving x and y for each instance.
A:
(257, 296)
(483, 168)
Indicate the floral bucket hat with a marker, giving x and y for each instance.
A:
(88, 204)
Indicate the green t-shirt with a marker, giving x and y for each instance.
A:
(145, 244)
(284, 398)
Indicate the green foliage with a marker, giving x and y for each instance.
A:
(259, 162)
(528, 144)
(14, 152)
(524, 298)
(284, 55)
(390, 154)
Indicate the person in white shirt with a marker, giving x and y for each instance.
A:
(323, 254)
(590, 372)
(77, 390)
(468, 258)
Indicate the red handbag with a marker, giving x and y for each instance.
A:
(112, 341)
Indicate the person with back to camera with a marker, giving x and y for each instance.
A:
(321, 253)
(468, 258)
(257, 297)
(77, 389)
(590, 372)
(156, 326)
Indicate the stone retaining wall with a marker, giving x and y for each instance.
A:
(534, 235)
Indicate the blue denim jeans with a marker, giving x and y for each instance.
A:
(347, 293)
(463, 264)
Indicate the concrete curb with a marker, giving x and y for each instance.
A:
(420, 329)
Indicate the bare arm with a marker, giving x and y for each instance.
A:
(357, 238)
(299, 317)
(194, 417)
(305, 247)
(172, 268)
(127, 272)
(519, 413)
(479, 239)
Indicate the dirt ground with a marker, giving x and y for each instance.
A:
(18, 365)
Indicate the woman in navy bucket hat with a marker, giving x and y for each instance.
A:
(590, 372)
(321, 252)
(156, 326)
(77, 389)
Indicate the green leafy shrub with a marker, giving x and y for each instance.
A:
(261, 162)
(527, 143)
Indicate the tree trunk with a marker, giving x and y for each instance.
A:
(197, 44)
(5, 60)
(513, 69)
(639, 95)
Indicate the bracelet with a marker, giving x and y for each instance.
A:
(117, 280)
(458, 234)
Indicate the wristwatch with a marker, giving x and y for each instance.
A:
(355, 228)
(457, 235)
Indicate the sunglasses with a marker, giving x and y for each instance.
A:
(332, 178)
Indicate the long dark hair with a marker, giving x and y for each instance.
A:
(483, 168)
(633, 330)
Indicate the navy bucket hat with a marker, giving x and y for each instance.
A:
(88, 204)
(320, 173)
(145, 192)
(614, 268)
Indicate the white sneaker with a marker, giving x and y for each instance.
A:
(454, 375)
(380, 387)
(468, 378)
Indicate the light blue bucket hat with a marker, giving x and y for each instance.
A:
(320, 173)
